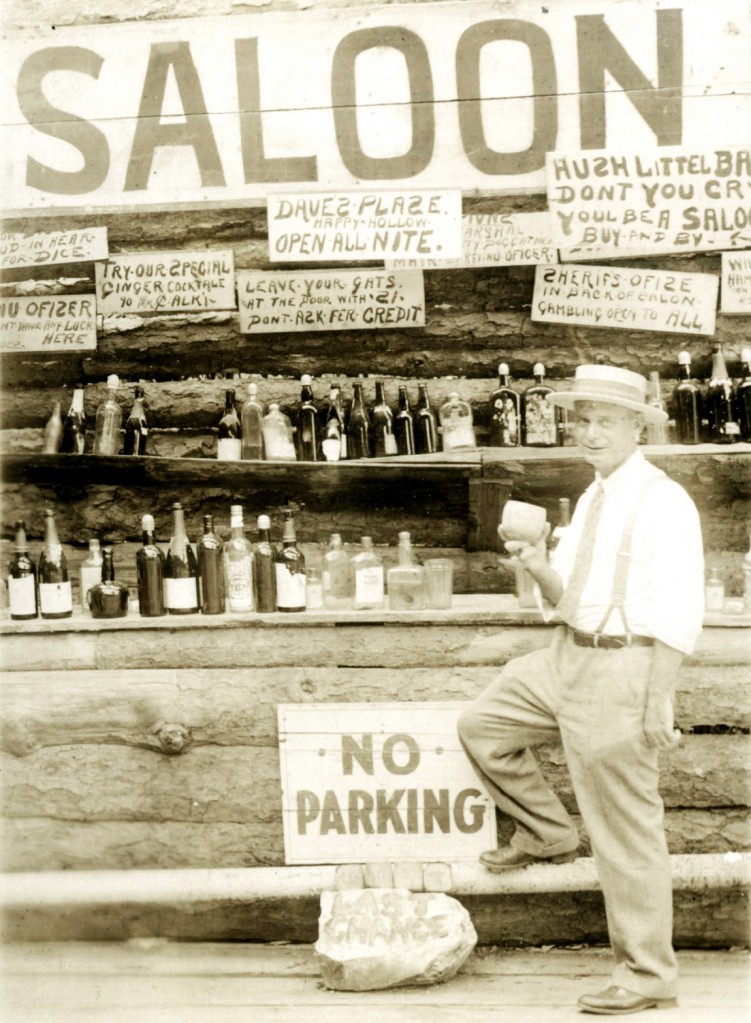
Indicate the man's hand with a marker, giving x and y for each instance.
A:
(658, 724)
(533, 556)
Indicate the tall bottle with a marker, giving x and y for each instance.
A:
(457, 430)
(108, 598)
(743, 396)
(426, 426)
(22, 579)
(210, 569)
(404, 424)
(369, 578)
(229, 439)
(338, 583)
(74, 426)
(136, 427)
(687, 404)
(238, 564)
(90, 572)
(289, 565)
(52, 436)
(722, 426)
(333, 431)
(55, 592)
(308, 445)
(564, 521)
(358, 425)
(278, 443)
(251, 419)
(382, 439)
(263, 566)
(109, 421)
(505, 413)
(180, 569)
(150, 572)
(406, 582)
(539, 422)
(656, 433)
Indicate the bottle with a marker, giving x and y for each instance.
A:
(338, 583)
(55, 592)
(687, 404)
(108, 598)
(456, 423)
(180, 569)
(404, 424)
(150, 573)
(74, 427)
(90, 572)
(22, 579)
(714, 592)
(251, 418)
(109, 421)
(358, 425)
(369, 579)
(426, 427)
(656, 433)
(505, 413)
(229, 441)
(308, 448)
(539, 423)
(406, 583)
(333, 432)
(53, 432)
(722, 425)
(743, 396)
(210, 569)
(263, 565)
(136, 427)
(289, 565)
(278, 444)
(382, 439)
(238, 564)
(564, 521)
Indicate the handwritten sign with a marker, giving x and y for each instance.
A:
(19, 250)
(379, 781)
(496, 239)
(735, 293)
(629, 298)
(606, 203)
(329, 300)
(66, 322)
(144, 282)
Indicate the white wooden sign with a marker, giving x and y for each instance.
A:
(626, 297)
(496, 239)
(735, 293)
(609, 202)
(284, 301)
(350, 226)
(365, 782)
(159, 282)
(227, 110)
(19, 250)
(61, 323)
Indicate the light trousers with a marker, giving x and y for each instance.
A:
(593, 701)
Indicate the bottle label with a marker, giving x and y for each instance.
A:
(389, 444)
(369, 585)
(331, 448)
(229, 449)
(55, 598)
(540, 420)
(181, 593)
(290, 587)
(239, 579)
(22, 595)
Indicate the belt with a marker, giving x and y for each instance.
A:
(599, 640)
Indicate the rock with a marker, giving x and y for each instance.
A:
(376, 938)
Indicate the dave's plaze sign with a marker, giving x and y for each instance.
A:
(626, 297)
(271, 302)
(78, 246)
(231, 109)
(735, 292)
(46, 324)
(166, 282)
(364, 782)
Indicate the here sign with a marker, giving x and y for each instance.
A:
(368, 782)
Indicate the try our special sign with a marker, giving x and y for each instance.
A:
(164, 282)
(79, 246)
(227, 110)
(368, 782)
(59, 323)
(626, 297)
(735, 292)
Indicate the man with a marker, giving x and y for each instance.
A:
(627, 578)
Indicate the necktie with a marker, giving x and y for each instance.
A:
(569, 602)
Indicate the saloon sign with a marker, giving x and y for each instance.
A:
(229, 110)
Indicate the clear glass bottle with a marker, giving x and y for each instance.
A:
(333, 432)
(369, 578)
(656, 433)
(52, 436)
(23, 599)
(55, 591)
(136, 427)
(108, 598)
(180, 569)
(505, 413)
(404, 424)
(539, 422)
(564, 521)
(687, 403)
(150, 572)
(90, 572)
(747, 579)
(210, 569)
(278, 442)
(251, 420)
(406, 582)
(457, 430)
(264, 570)
(743, 396)
(289, 565)
(338, 584)
(358, 425)
(229, 437)
(382, 439)
(74, 426)
(722, 425)
(238, 565)
(714, 592)
(109, 421)
(308, 445)
(426, 426)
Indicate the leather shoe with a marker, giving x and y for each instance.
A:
(509, 858)
(617, 1001)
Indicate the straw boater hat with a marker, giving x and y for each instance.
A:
(612, 386)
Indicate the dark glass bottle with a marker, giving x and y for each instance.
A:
(382, 439)
(22, 579)
(52, 435)
(150, 573)
(180, 569)
(722, 426)
(404, 424)
(211, 569)
(333, 430)
(265, 572)
(505, 413)
(109, 598)
(74, 426)
(358, 426)
(136, 427)
(743, 396)
(289, 565)
(687, 404)
(308, 447)
(539, 422)
(55, 591)
(229, 441)
(426, 425)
